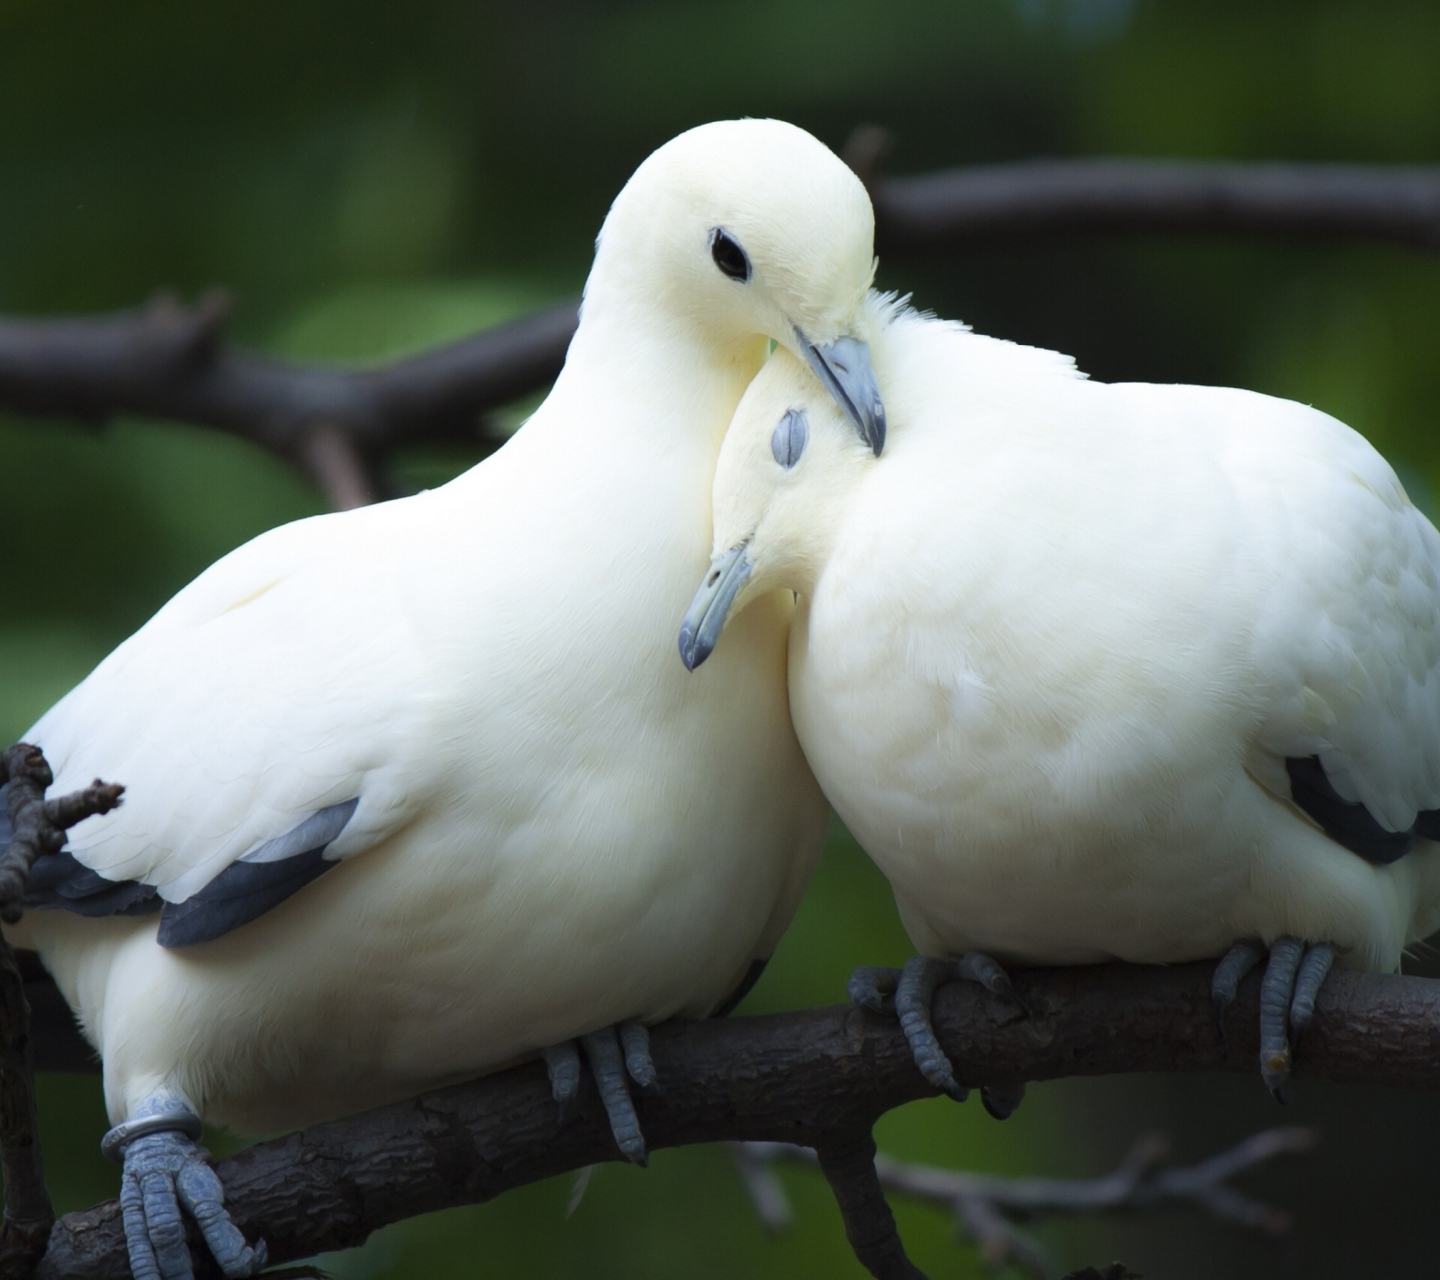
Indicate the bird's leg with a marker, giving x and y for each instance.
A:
(1229, 973)
(616, 1055)
(1292, 981)
(913, 993)
(163, 1171)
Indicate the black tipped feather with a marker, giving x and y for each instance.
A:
(1350, 823)
(245, 890)
(747, 983)
(241, 893)
(57, 880)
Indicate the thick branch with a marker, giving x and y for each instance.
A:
(168, 361)
(1037, 199)
(797, 1078)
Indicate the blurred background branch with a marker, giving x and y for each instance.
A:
(1044, 199)
(985, 1208)
(169, 361)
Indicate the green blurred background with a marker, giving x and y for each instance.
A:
(369, 178)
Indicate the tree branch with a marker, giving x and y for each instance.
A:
(1037, 199)
(986, 1206)
(799, 1078)
(34, 826)
(169, 361)
(166, 360)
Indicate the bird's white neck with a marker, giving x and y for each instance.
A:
(640, 377)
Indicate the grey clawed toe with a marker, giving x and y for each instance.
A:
(1229, 974)
(1292, 981)
(909, 993)
(1003, 1100)
(562, 1064)
(616, 1056)
(163, 1172)
(635, 1042)
(873, 986)
(913, 998)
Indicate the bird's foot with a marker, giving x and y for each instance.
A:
(908, 994)
(1293, 978)
(163, 1171)
(617, 1055)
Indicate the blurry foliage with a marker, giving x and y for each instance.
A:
(369, 178)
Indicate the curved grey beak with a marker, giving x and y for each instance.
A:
(844, 367)
(705, 619)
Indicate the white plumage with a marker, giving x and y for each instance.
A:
(556, 828)
(1055, 648)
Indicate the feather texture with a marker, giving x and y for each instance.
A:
(530, 825)
(1104, 671)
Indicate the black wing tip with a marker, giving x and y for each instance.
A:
(1348, 822)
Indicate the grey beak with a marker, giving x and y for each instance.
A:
(844, 367)
(705, 619)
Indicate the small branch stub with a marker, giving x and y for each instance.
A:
(847, 1159)
(35, 826)
(25, 771)
(329, 454)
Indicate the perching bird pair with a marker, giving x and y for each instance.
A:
(418, 791)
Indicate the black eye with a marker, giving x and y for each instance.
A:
(728, 255)
(788, 442)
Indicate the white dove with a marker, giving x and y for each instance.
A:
(1097, 672)
(417, 791)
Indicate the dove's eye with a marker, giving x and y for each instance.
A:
(788, 442)
(728, 255)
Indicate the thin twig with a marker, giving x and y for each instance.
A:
(985, 1207)
(35, 826)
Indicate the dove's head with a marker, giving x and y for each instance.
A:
(788, 469)
(748, 230)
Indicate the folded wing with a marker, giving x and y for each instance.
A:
(266, 723)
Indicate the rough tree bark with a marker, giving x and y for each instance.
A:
(34, 826)
(808, 1077)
